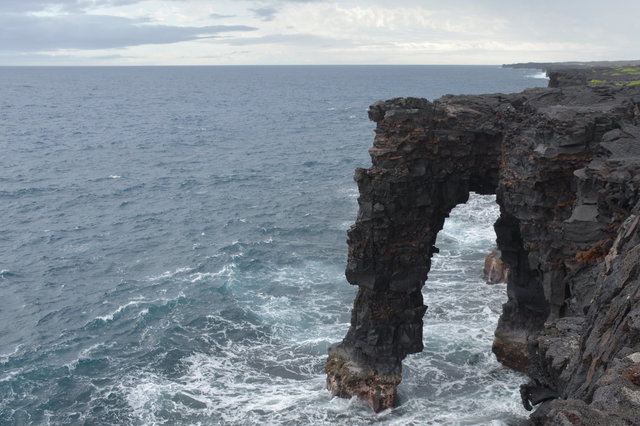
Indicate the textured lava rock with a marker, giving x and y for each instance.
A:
(565, 166)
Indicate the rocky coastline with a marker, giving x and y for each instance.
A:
(564, 163)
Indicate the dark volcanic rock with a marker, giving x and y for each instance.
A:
(565, 166)
(619, 76)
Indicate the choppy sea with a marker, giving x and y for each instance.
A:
(172, 248)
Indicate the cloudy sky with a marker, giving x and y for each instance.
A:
(225, 32)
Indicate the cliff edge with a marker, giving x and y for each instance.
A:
(564, 163)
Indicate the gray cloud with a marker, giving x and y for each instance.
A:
(22, 33)
(110, 57)
(265, 13)
(65, 5)
(84, 5)
(220, 16)
(59, 59)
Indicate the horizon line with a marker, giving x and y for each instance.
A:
(247, 65)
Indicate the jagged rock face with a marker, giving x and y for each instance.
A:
(591, 363)
(566, 78)
(590, 358)
(543, 230)
(552, 158)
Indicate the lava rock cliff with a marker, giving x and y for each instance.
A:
(564, 163)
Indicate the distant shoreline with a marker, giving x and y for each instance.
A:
(553, 66)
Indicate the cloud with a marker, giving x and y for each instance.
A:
(26, 33)
(63, 5)
(110, 57)
(220, 16)
(265, 13)
(60, 58)
(307, 40)
(318, 31)
(85, 5)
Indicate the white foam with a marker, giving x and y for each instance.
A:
(114, 176)
(268, 368)
(111, 316)
(274, 375)
(85, 354)
(5, 357)
(169, 274)
(343, 226)
(453, 381)
(540, 74)
(227, 270)
(469, 228)
(10, 375)
(351, 191)
(226, 389)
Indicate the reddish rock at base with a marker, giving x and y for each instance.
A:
(495, 270)
(344, 379)
(511, 351)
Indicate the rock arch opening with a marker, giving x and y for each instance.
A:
(426, 159)
(456, 365)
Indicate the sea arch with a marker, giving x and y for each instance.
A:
(427, 158)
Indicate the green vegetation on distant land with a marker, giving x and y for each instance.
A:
(634, 70)
(619, 83)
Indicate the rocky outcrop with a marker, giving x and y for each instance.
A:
(618, 76)
(572, 66)
(563, 164)
(495, 270)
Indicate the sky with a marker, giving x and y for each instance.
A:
(305, 32)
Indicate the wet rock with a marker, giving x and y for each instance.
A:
(495, 270)
(347, 377)
(510, 348)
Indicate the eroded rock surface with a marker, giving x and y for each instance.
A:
(565, 166)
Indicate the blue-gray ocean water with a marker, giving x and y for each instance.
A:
(172, 248)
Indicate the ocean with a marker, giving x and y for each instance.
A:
(172, 248)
